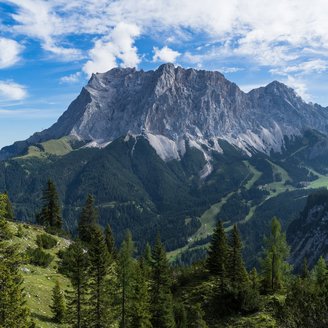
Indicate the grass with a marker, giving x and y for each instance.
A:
(58, 147)
(38, 282)
(255, 175)
(277, 187)
(321, 182)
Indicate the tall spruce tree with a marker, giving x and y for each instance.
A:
(162, 315)
(77, 271)
(50, 214)
(58, 307)
(110, 241)
(88, 220)
(126, 270)
(236, 268)
(98, 285)
(218, 253)
(5, 232)
(140, 300)
(13, 311)
(274, 263)
(10, 216)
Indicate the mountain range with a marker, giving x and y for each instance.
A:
(174, 150)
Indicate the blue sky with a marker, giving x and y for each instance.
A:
(48, 49)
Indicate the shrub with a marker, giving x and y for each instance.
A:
(39, 257)
(46, 241)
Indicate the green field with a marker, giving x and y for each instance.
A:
(58, 147)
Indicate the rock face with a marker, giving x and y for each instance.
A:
(308, 235)
(171, 105)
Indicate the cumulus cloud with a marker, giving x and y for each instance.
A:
(287, 38)
(38, 19)
(116, 49)
(72, 78)
(165, 54)
(12, 91)
(9, 53)
(299, 86)
(307, 67)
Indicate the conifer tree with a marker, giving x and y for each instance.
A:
(88, 220)
(50, 215)
(98, 284)
(320, 271)
(140, 305)
(110, 241)
(161, 298)
(78, 275)
(218, 253)
(57, 307)
(126, 268)
(305, 269)
(236, 267)
(13, 311)
(197, 317)
(180, 316)
(274, 263)
(9, 208)
(5, 232)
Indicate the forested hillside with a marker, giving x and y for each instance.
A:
(51, 281)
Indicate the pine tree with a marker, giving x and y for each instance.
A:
(236, 267)
(161, 297)
(10, 216)
(305, 269)
(126, 268)
(274, 265)
(58, 308)
(5, 232)
(320, 271)
(78, 274)
(180, 316)
(110, 241)
(218, 253)
(140, 305)
(197, 320)
(50, 215)
(13, 311)
(98, 270)
(88, 220)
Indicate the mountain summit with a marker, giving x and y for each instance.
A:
(172, 105)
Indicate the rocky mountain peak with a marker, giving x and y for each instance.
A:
(172, 106)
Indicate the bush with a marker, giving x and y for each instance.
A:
(20, 232)
(46, 241)
(39, 257)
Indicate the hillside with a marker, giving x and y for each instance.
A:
(39, 281)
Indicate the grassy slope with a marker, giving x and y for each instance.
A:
(57, 147)
(38, 282)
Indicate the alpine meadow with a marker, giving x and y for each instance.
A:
(185, 184)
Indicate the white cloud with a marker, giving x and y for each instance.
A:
(229, 69)
(12, 91)
(165, 54)
(38, 19)
(299, 86)
(117, 48)
(72, 78)
(9, 52)
(307, 67)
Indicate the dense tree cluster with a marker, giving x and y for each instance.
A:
(113, 287)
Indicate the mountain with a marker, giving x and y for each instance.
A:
(308, 234)
(174, 150)
(171, 106)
